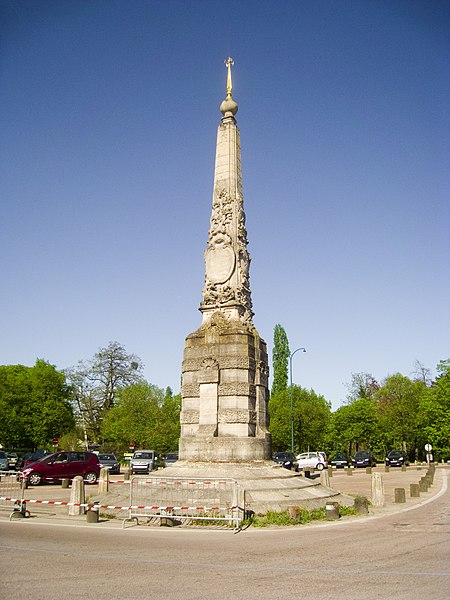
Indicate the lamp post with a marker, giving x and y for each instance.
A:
(292, 396)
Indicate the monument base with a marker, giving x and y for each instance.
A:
(265, 484)
(224, 449)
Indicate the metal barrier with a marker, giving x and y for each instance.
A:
(12, 494)
(186, 499)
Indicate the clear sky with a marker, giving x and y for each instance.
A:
(108, 120)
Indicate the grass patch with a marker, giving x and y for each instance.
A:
(299, 516)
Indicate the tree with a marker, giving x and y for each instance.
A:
(280, 358)
(434, 413)
(398, 406)
(97, 382)
(354, 426)
(310, 413)
(362, 385)
(145, 416)
(35, 405)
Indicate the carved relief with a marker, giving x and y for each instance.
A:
(236, 415)
(190, 390)
(237, 389)
(189, 417)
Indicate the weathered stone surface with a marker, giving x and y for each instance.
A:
(225, 371)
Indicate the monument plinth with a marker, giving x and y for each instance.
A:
(224, 391)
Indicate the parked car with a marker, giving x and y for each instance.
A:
(63, 465)
(287, 459)
(364, 458)
(170, 458)
(29, 458)
(340, 461)
(111, 462)
(397, 458)
(311, 460)
(4, 465)
(143, 461)
(12, 460)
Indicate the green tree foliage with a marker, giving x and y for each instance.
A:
(143, 415)
(280, 358)
(354, 426)
(34, 405)
(362, 385)
(398, 407)
(311, 413)
(434, 413)
(97, 382)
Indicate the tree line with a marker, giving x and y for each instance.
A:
(106, 402)
(397, 413)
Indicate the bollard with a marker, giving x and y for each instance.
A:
(361, 505)
(324, 478)
(369, 470)
(377, 490)
(332, 511)
(65, 483)
(126, 474)
(423, 486)
(349, 470)
(386, 468)
(294, 513)
(92, 513)
(400, 496)
(77, 496)
(414, 490)
(330, 471)
(403, 467)
(103, 481)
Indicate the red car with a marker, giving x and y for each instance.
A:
(63, 465)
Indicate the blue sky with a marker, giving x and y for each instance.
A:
(108, 131)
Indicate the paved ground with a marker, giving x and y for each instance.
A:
(358, 484)
(400, 553)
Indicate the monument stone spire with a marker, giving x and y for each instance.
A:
(224, 415)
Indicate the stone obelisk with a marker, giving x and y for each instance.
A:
(224, 417)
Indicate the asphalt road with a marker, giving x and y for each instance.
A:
(404, 555)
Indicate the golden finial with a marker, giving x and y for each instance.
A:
(229, 62)
(229, 107)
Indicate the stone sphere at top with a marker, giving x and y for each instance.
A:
(228, 106)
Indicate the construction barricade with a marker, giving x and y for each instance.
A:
(176, 499)
(12, 494)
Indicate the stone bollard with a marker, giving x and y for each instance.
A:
(332, 511)
(103, 481)
(369, 470)
(414, 490)
(403, 467)
(423, 486)
(419, 466)
(399, 495)
(377, 490)
(294, 513)
(324, 478)
(65, 483)
(330, 471)
(92, 513)
(386, 468)
(349, 470)
(77, 496)
(361, 505)
(126, 474)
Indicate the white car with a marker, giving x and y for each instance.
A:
(311, 460)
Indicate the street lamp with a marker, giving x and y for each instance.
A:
(292, 397)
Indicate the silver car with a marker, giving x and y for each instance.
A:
(143, 461)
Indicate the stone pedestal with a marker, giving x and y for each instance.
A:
(224, 414)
